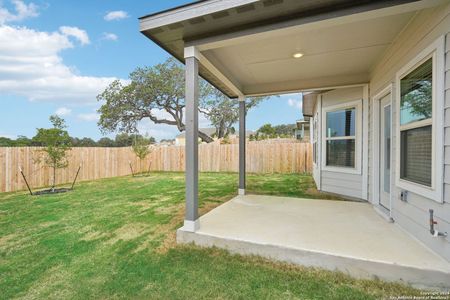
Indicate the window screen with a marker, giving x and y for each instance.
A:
(416, 158)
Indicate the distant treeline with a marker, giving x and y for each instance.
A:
(268, 131)
(121, 140)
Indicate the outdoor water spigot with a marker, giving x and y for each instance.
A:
(434, 232)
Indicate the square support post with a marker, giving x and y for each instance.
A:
(242, 138)
(191, 222)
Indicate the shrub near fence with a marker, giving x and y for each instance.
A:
(262, 157)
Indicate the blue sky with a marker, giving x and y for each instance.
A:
(56, 56)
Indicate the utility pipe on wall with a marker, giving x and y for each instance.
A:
(434, 232)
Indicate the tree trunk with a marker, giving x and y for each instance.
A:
(221, 131)
(206, 138)
(54, 178)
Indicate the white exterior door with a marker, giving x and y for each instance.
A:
(385, 151)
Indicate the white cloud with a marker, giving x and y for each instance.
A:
(31, 66)
(89, 117)
(116, 15)
(109, 36)
(295, 103)
(80, 34)
(63, 111)
(22, 11)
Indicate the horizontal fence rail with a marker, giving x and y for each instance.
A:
(96, 162)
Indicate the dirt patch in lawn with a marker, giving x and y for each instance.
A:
(129, 232)
(53, 284)
(143, 205)
(166, 210)
(170, 240)
(47, 224)
(94, 235)
(4, 240)
(314, 192)
(151, 203)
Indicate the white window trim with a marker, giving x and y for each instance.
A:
(358, 137)
(376, 146)
(318, 169)
(436, 50)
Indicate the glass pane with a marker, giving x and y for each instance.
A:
(415, 162)
(387, 148)
(416, 94)
(341, 153)
(341, 123)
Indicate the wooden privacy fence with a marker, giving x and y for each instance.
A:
(262, 157)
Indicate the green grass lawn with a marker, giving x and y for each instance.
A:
(115, 238)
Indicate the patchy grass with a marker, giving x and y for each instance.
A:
(115, 238)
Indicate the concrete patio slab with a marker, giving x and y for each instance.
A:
(335, 235)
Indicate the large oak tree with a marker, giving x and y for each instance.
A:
(157, 93)
(222, 111)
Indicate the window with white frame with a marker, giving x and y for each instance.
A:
(341, 137)
(416, 126)
(420, 87)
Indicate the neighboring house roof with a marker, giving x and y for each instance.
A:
(304, 121)
(247, 133)
(215, 20)
(208, 131)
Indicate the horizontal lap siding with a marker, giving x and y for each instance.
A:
(413, 215)
(345, 184)
(341, 183)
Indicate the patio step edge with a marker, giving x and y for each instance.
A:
(355, 267)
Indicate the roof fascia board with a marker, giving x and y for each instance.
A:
(187, 12)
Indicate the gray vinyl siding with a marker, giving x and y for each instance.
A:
(413, 216)
(342, 183)
(334, 181)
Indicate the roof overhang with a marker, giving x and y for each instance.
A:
(221, 30)
(309, 101)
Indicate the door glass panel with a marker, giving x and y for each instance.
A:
(387, 149)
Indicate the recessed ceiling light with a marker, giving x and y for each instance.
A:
(297, 55)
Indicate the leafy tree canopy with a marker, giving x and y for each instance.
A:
(268, 131)
(157, 93)
(222, 111)
(141, 147)
(56, 141)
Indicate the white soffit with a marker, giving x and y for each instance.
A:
(349, 49)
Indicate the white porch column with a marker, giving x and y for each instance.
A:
(242, 138)
(191, 222)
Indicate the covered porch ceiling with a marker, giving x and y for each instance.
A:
(248, 46)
